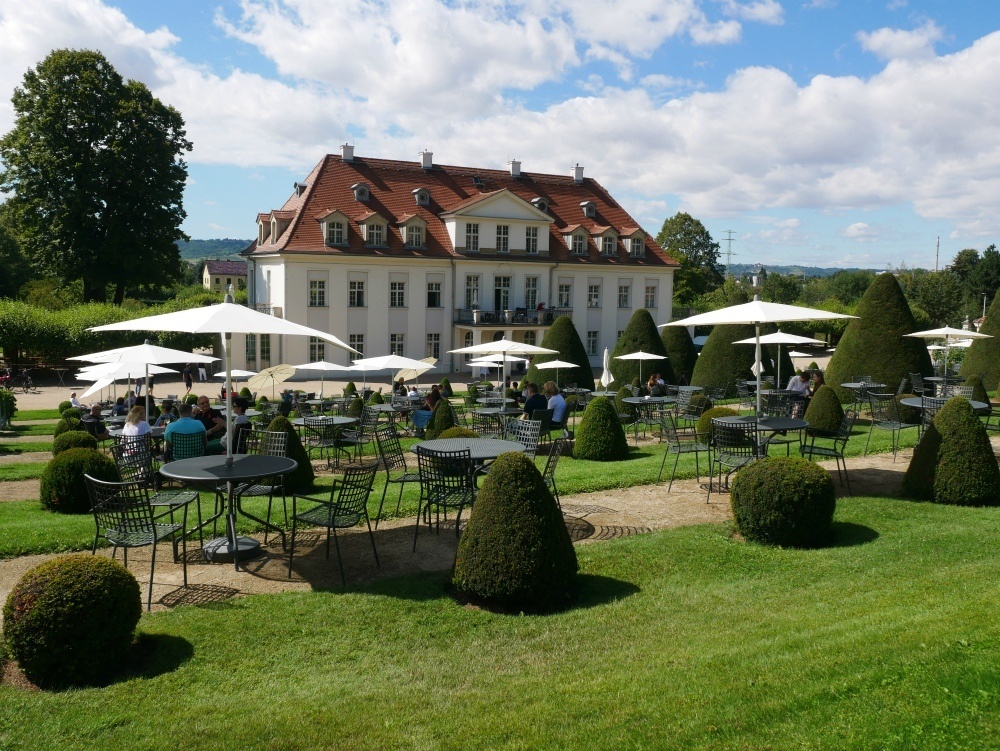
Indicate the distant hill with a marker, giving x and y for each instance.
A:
(746, 269)
(195, 251)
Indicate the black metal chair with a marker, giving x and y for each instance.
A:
(392, 458)
(917, 382)
(679, 441)
(549, 470)
(323, 435)
(527, 432)
(838, 443)
(488, 426)
(929, 407)
(185, 446)
(733, 446)
(885, 416)
(362, 435)
(265, 443)
(446, 482)
(124, 517)
(347, 506)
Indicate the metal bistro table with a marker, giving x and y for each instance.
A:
(480, 449)
(608, 394)
(769, 424)
(917, 402)
(646, 405)
(240, 468)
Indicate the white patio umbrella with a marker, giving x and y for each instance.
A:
(106, 373)
(640, 356)
(779, 338)
(430, 363)
(555, 364)
(949, 334)
(757, 312)
(324, 367)
(237, 374)
(145, 353)
(495, 361)
(384, 362)
(606, 378)
(271, 377)
(226, 318)
(503, 347)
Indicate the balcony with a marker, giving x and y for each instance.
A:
(515, 317)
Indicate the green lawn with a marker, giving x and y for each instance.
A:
(36, 414)
(683, 639)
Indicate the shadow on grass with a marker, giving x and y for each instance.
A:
(848, 534)
(157, 654)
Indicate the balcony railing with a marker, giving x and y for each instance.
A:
(515, 317)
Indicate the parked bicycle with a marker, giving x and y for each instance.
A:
(27, 385)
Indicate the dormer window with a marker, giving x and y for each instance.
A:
(300, 188)
(274, 231)
(361, 192)
(540, 203)
(414, 236)
(589, 209)
(261, 233)
(577, 243)
(637, 247)
(335, 232)
(607, 245)
(374, 234)
(422, 196)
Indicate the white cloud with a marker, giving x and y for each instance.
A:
(891, 44)
(861, 232)
(762, 11)
(789, 223)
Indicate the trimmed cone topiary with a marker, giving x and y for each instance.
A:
(784, 501)
(350, 389)
(722, 363)
(442, 418)
(621, 407)
(458, 432)
(72, 413)
(375, 398)
(66, 424)
(515, 553)
(73, 439)
(600, 437)
(562, 336)
(355, 407)
(446, 390)
(978, 393)
(875, 343)
(953, 462)
(640, 334)
(983, 357)
(71, 621)
(262, 404)
(63, 487)
(704, 425)
(245, 393)
(681, 352)
(301, 478)
(825, 412)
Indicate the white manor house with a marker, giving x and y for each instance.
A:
(417, 258)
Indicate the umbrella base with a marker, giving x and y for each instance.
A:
(221, 550)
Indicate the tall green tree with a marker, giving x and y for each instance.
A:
(985, 276)
(939, 294)
(95, 176)
(687, 241)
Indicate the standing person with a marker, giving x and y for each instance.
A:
(135, 423)
(215, 425)
(534, 400)
(555, 403)
(202, 373)
(138, 386)
(188, 382)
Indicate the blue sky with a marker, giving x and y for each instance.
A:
(821, 132)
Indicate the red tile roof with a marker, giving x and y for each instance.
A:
(391, 184)
(227, 268)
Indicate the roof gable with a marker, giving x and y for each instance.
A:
(501, 204)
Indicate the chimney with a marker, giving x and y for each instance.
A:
(577, 174)
(515, 167)
(427, 159)
(347, 152)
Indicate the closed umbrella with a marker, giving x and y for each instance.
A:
(757, 312)
(606, 378)
(640, 356)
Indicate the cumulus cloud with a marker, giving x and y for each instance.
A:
(860, 232)
(890, 44)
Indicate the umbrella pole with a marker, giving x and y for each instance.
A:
(147, 391)
(947, 341)
(778, 384)
(759, 365)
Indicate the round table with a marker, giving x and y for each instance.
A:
(327, 419)
(502, 411)
(154, 432)
(480, 449)
(768, 424)
(611, 394)
(854, 386)
(917, 402)
(214, 470)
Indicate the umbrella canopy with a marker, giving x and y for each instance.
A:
(367, 365)
(757, 312)
(948, 334)
(117, 371)
(413, 373)
(271, 377)
(324, 367)
(555, 364)
(640, 356)
(237, 373)
(503, 346)
(606, 378)
(779, 337)
(793, 353)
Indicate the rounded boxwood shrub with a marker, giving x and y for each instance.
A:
(262, 404)
(355, 407)
(71, 621)
(704, 426)
(375, 398)
(907, 414)
(71, 413)
(67, 424)
(953, 462)
(474, 390)
(441, 420)
(301, 478)
(191, 399)
(784, 501)
(63, 406)
(350, 389)
(73, 439)
(978, 393)
(245, 393)
(458, 432)
(600, 436)
(515, 552)
(825, 412)
(63, 488)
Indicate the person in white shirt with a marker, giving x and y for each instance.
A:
(74, 401)
(556, 403)
(240, 422)
(135, 423)
(800, 383)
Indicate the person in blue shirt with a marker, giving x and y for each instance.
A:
(186, 425)
(556, 403)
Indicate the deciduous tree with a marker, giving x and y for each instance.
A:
(688, 242)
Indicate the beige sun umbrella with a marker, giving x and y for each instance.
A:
(271, 377)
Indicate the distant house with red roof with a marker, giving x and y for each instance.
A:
(418, 258)
(218, 275)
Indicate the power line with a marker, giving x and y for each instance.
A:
(729, 251)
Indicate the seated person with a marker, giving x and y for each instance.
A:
(168, 413)
(446, 391)
(131, 400)
(185, 425)
(215, 425)
(75, 402)
(399, 388)
(241, 423)
(800, 383)
(422, 414)
(94, 425)
(413, 393)
(534, 400)
(818, 382)
(653, 386)
(120, 410)
(135, 423)
(556, 403)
